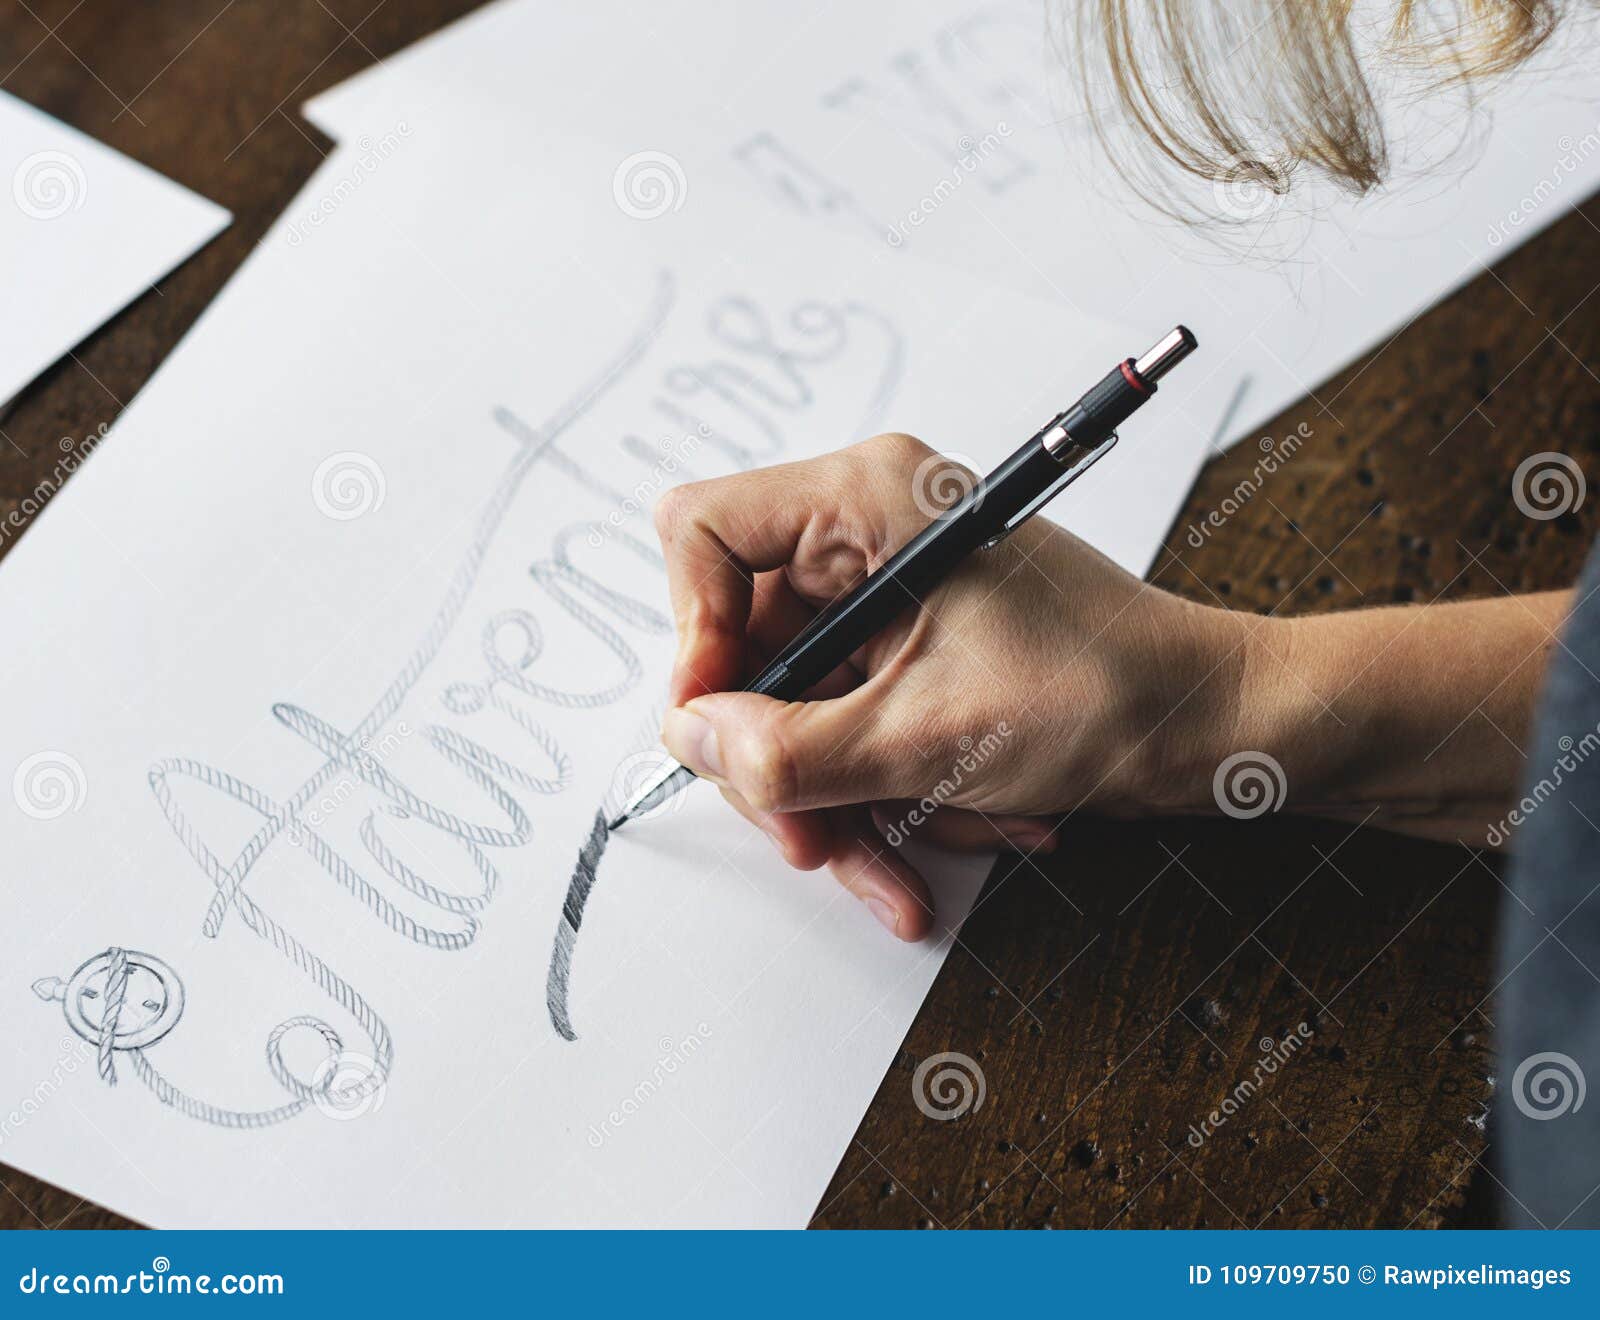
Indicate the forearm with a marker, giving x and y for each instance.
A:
(1413, 718)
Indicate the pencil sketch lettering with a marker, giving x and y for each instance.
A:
(951, 98)
(583, 874)
(736, 399)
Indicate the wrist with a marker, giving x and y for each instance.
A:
(1286, 742)
(1392, 714)
(1218, 691)
(1402, 716)
(1309, 720)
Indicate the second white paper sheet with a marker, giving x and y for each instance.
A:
(84, 232)
(955, 130)
(341, 639)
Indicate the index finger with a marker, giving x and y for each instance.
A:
(716, 536)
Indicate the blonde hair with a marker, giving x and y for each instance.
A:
(1253, 91)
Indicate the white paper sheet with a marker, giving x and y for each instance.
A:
(949, 128)
(83, 231)
(364, 575)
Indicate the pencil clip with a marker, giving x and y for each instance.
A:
(1067, 477)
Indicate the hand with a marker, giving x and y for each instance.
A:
(1040, 677)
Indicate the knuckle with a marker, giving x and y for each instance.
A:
(680, 507)
(673, 509)
(897, 449)
(893, 471)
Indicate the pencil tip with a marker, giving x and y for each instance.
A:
(616, 821)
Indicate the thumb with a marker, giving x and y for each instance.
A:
(790, 755)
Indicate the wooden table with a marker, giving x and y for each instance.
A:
(1115, 995)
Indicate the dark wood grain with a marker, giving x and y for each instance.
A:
(1115, 994)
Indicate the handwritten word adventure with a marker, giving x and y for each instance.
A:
(740, 401)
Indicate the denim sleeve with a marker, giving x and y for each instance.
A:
(1546, 1131)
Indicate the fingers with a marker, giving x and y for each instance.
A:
(777, 616)
(783, 756)
(804, 838)
(823, 520)
(845, 841)
(716, 536)
(792, 768)
(892, 889)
